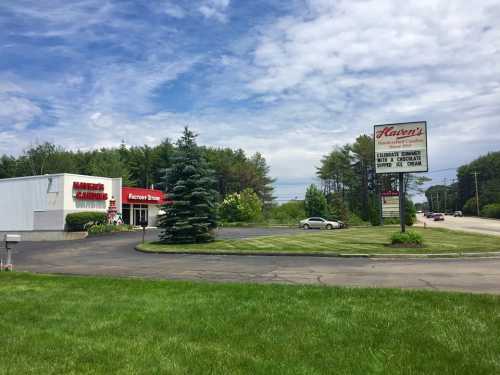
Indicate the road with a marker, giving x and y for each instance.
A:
(114, 255)
(467, 224)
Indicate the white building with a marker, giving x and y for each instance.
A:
(41, 203)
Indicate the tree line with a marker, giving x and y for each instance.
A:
(460, 194)
(143, 166)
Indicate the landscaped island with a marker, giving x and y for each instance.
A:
(369, 240)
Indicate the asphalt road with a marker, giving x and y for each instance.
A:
(114, 255)
(467, 224)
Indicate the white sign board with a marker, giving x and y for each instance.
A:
(401, 147)
(390, 204)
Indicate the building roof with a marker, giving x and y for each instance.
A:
(55, 175)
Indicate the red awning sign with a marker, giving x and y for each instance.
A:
(142, 196)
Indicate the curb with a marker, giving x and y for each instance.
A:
(330, 255)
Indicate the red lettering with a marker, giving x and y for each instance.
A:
(388, 131)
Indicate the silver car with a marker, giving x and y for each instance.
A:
(319, 222)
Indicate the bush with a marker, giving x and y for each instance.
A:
(81, 221)
(287, 213)
(491, 210)
(108, 228)
(407, 238)
(244, 207)
(354, 220)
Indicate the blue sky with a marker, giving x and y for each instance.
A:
(291, 79)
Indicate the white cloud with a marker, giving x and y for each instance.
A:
(314, 78)
(216, 9)
(17, 112)
(174, 10)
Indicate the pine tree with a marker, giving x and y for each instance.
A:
(191, 217)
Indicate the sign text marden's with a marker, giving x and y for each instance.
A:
(401, 147)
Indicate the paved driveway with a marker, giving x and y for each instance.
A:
(114, 255)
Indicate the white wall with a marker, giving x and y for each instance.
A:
(42, 202)
(153, 215)
(21, 197)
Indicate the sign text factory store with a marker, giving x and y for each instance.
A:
(41, 203)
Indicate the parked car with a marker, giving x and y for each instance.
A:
(429, 215)
(458, 214)
(320, 223)
(438, 217)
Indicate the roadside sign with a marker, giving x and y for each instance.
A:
(401, 147)
(390, 204)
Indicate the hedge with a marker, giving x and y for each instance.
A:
(81, 221)
(407, 238)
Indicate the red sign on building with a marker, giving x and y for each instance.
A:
(132, 195)
(92, 192)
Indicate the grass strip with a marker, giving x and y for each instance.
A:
(60, 324)
(367, 240)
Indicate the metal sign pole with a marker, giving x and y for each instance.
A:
(402, 201)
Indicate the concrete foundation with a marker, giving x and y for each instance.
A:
(46, 235)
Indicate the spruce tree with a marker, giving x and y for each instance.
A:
(191, 216)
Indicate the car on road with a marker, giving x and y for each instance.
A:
(458, 214)
(320, 223)
(438, 217)
(429, 215)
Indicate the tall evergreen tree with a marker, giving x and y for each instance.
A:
(191, 217)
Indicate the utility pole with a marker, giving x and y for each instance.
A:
(445, 195)
(477, 194)
(455, 193)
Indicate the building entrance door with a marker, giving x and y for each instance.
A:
(140, 214)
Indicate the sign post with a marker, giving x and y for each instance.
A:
(402, 219)
(401, 148)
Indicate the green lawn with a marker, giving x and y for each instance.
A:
(367, 240)
(63, 325)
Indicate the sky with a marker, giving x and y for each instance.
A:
(291, 79)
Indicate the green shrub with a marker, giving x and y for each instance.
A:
(355, 221)
(407, 238)
(491, 210)
(81, 221)
(287, 213)
(108, 228)
(241, 207)
(391, 221)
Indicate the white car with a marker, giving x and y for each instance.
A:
(319, 222)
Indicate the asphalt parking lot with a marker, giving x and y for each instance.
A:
(114, 255)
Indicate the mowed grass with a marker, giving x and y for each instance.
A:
(74, 325)
(367, 240)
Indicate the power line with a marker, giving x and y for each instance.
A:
(443, 170)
